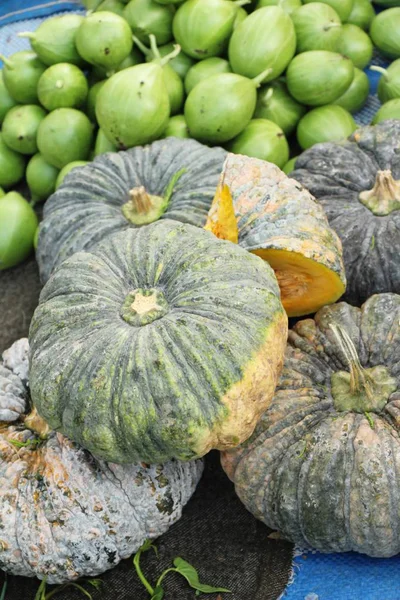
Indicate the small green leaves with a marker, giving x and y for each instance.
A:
(192, 577)
(42, 595)
(180, 566)
(158, 593)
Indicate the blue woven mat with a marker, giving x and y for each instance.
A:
(315, 576)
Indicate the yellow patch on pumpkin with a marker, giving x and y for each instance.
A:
(221, 219)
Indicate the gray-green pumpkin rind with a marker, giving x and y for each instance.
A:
(87, 514)
(162, 342)
(342, 176)
(326, 477)
(88, 206)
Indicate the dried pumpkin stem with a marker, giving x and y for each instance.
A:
(384, 197)
(362, 390)
(37, 424)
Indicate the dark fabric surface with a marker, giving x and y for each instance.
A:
(216, 534)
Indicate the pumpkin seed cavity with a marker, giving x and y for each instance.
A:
(384, 197)
(362, 390)
(143, 306)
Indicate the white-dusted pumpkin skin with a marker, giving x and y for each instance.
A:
(13, 375)
(64, 515)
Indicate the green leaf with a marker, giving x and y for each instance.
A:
(158, 593)
(192, 577)
(96, 583)
(146, 546)
(41, 593)
(3, 590)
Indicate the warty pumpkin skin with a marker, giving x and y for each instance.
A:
(282, 223)
(357, 183)
(171, 178)
(64, 514)
(323, 464)
(162, 342)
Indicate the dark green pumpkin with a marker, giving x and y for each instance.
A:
(357, 183)
(101, 198)
(159, 343)
(322, 465)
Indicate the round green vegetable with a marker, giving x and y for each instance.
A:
(389, 110)
(317, 27)
(62, 86)
(102, 144)
(362, 14)
(276, 104)
(266, 39)
(133, 105)
(384, 32)
(12, 165)
(262, 139)
(135, 57)
(104, 39)
(146, 17)
(319, 77)
(21, 73)
(287, 5)
(356, 45)
(329, 123)
(290, 165)
(176, 127)
(18, 224)
(6, 100)
(172, 80)
(65, 170)
(203, 27)
(65, 135)
(342, 7)
(54, 40)
(220, 107)
(20, 127)
(357, 94)
(41, 178)
(180, 63)
(91, 100)
(389, 83)
(114, 6)
(204, 69)
(241, 14)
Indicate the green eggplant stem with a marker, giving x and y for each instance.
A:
(165, 60)
(153, 46)
(268, 96)
(27, 34)
(379, 70)
(7, 62)
(146, 51)
(259, 79)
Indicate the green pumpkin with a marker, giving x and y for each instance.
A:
(151, 346)
(174, 179)
(321, 466)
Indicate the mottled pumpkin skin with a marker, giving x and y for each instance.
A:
(64, 514)
(195, 374)
(88, 205)
(328, 479)
(278, 218)
(336, 173)
(13, 377)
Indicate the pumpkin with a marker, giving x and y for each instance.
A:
(322, 464)
(64, 514)
(171, 178)
(356, 184)
(282, 223)
(154, 345)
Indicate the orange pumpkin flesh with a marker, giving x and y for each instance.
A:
(281, 222)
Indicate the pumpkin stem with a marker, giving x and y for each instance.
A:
(6, 61)
(260, 78)
(362, 390)
(154, 47)
(384, 197)
(143, 208)
(27, 34)
(36, 423)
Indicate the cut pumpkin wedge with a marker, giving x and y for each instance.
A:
(282, 223)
